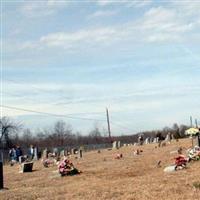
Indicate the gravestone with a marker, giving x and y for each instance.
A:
(44, 154)
(168, 138)
(62, 153)
(80, 153)
(147, 140)
(35, 153)
(118, 144)
(114, 145)
(26, 167)
(171, 168)
(55, 151)
(155, 140)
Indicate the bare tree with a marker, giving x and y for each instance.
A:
(62, 133)
(95, 134)
(8, 127)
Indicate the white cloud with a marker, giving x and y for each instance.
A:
(102, 13)
(105, 2)
(128, 3)
(164, 25)
(42, 8)
(139, 4)
(74, 39)
(158, 24)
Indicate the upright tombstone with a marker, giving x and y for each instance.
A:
(1, 171)
(35, 153)
(55, 151)
(44, 154)
(118, 144)
(80, 153)
(147, 140)
(114, 145)
(168, 138)
(155, 140)
(62, 153)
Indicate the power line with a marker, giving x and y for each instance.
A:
(50, 114)
(123, 127)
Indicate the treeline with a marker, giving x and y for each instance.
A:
(62, 134)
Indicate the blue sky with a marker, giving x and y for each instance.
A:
(141, 59)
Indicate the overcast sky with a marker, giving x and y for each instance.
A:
(141, 59)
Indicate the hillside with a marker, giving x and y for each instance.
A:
(103, 177)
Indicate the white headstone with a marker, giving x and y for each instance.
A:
(62, 153)
(118, 144)
(168, 138)
(169, 168)
(44, 154)
(35, 154)
(114, 145)
(155, 140)
(147, 140)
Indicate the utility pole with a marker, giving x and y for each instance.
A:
(191, 121)
(108, 122)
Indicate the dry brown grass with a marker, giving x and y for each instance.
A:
(103, 177)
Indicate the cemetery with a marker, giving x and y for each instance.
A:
(142, 171)
(100, 100)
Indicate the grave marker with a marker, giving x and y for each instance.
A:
(44, 154)
(62, 153)
(147, 140)
(114, 145)
(80, 153)
(35, 153)
(26, 167)
(118, 144)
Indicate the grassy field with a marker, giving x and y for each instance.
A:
(103, 177)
